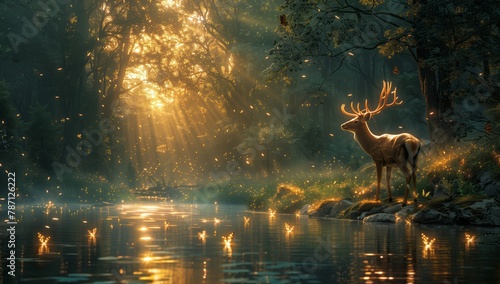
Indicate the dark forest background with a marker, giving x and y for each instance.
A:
(101, 96)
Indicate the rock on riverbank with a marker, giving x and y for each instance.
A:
(467, 210)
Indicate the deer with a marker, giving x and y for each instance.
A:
(387, 150)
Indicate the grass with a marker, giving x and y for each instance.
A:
(302, 188)
(455, 171)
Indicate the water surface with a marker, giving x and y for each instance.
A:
(171, 243)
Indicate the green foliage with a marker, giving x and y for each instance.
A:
(43, 138)
(459, 170)
(303, 187)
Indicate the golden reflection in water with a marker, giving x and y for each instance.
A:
(288, 228)
(166, 224)
(147, 258)
(297, 214)
(374, 268)
(427, 250)
(410, 272)
(204, 270)
(44, 248)
(216, 221)
(50, 205)
(247, 220)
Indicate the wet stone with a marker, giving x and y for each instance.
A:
(381, 217)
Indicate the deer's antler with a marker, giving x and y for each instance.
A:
(382, 102)
(353, 114)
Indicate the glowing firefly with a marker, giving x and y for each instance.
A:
(247, 219)
(227, 241)
(427, 243)
(43, 244)
(469, 239)
(272, 213)
(202, 236)
(216, 221)
(43, 239)
(289, 229)
(166, 224)
(297, 214)
(92, 233)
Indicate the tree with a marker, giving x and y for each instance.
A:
(441, 37)
(43, 146)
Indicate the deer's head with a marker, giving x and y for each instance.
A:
(361, 116)
(356, 123)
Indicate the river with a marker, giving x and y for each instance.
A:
(182, 243)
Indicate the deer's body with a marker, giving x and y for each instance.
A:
(387, 150)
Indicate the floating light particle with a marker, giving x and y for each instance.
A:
(469, 238)
(427, 242)
(202, 236)
(272, 213)
(227, 241)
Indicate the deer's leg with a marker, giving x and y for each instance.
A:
(414, 173)
(408, 175)
(379, 177)
(388, 178)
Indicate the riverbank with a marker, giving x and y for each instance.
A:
(466, 210)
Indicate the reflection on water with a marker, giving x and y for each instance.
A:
(166, 243)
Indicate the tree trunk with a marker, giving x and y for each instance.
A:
(435, 89)
(75, 86)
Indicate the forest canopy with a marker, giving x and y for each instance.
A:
(173, 92)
